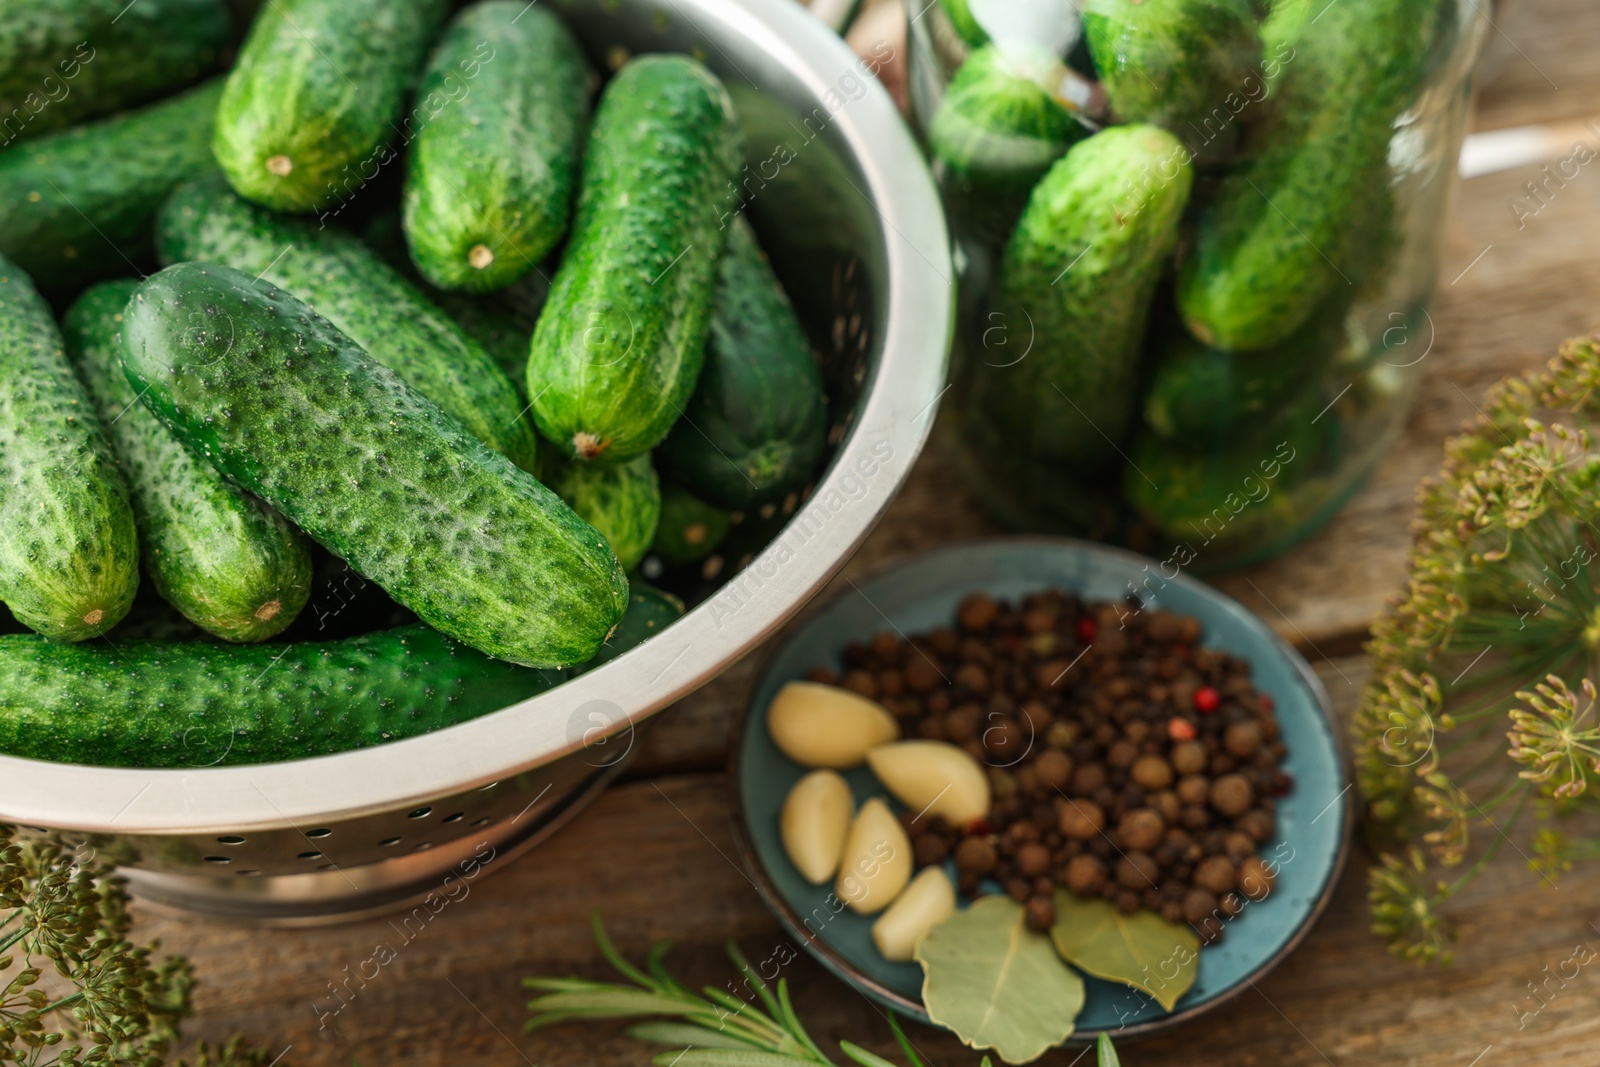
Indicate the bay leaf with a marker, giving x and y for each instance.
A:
(996, 983)
(1142, 950)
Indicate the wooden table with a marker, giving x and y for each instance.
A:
(655, 853)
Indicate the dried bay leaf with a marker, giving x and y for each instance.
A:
(996, 983)
(1142, 950)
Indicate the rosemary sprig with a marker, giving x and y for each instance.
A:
(711, 1028)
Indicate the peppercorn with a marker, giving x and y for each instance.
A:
(1180, 729)
(1018, 889)
(929, 848)
(922, 674)
(961, 723)
(1085, 874)
(1198, 904)
(1127, 901)
(1087, 778)
(1258, 824)
(973, 677)
(1207, 700)
(1193, 789)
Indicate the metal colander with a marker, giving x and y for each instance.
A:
(836, 188)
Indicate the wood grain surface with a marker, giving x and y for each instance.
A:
(656, 856)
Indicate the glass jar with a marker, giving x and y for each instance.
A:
(1196, 249)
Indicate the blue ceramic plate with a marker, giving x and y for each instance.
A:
(921, 594)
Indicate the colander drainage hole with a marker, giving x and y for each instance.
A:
(457, 817)
(481, 822)
(311, 855)
(420, 813)
(421, 847)
(249, 873)
(231, 839)
(327, 866)
(218, 859)
(389, 842)
(318, 833)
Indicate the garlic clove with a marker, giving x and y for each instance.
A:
(933, 778)
(927, 901)
(824, 726)
(814, 823)
(876, 862)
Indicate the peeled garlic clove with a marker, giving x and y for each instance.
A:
(933, 778)
(876, 862)
(929, 900)
(825, 726)
(814, 823)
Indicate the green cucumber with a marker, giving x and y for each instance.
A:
(229, 563)
(361, 295)
(649, 612)
(1287, 229)
(295, 412)
(757, 422)
(621, 500)
(689, 529)
(501, 321)
(1173, 62)
(1199, 394)
(489, 181)
(622, 339)
(316, 96)
(999, 118)
(197, 704)
(77, 206)
(1074, 293)
(959, 12)
(63, 62)
(69, 560)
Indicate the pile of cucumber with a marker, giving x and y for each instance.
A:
(1178, 202)
(345, 395)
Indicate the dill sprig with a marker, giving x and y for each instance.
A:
(1493, 639)
(712, 1028)
(74, 990)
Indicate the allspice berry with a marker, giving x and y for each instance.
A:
(1085, 874)
(1242, 739)
(1217, 874)
(1198, 904)
(1141, 829)
(1087, 779)
(1256, 877)
(1082, 819)
(1189, 757)
(1193, 789)
(1053, 769)
(1032, 860)
(976, 855)
(1039, 913)
(1137, 871)
(1232, 794)
(1152, 772)
(1258, 824)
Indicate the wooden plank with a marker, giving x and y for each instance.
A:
(657, 858)
(1539, 64)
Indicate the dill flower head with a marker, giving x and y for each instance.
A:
(1499, 622)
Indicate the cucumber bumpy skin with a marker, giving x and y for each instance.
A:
(62, 63)
(1284, 231)
(1172, 62)
(621, 500)
(489, 181)
(1076, 282)
(757, 422)
(196, 704)
(649, 612)
(346, 283)
(295, 412)
(620, 344)
(229, 563)
(69, 550)
(76, 206)
(316, 95)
